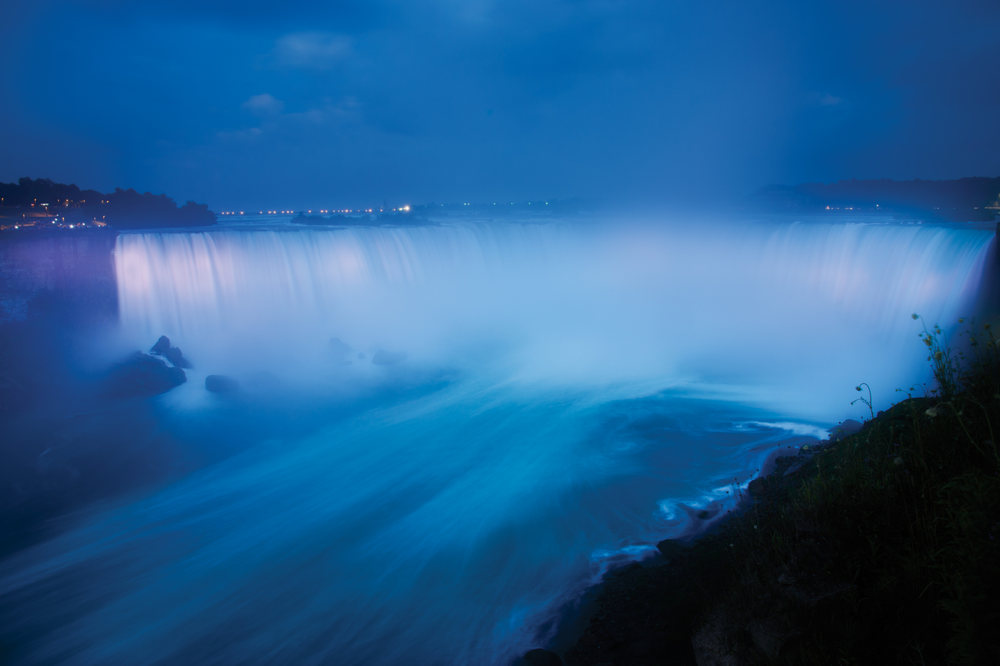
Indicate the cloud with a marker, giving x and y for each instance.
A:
(316, 50)
(334, 114)
(829, 100)
(263, 104)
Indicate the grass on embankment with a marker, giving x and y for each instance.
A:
(885, 547)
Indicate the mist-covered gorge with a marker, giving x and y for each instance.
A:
(553, 399)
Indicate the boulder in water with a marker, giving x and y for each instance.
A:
(141, 374)
(172, 354)
(382, 357)
(221, 384)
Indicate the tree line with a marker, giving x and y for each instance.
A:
(123, 209)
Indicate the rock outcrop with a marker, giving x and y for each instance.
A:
(172, 354)
(143, 375)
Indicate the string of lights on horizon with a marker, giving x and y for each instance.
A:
(401, 209)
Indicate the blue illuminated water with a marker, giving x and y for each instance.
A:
(569, 393)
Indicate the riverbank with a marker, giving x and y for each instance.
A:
(645, 612)
(883, 547)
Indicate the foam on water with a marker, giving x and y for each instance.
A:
(571, 394)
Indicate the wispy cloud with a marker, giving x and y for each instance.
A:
(273, 119)
(264, 104)
(316, 50)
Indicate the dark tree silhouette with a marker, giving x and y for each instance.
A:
(123, 209)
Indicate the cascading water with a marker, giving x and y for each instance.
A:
(569, 392)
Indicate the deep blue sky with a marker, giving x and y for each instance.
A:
(303, 104)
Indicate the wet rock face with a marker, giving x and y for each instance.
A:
(143, 375)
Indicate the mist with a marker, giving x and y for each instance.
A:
(599, 303)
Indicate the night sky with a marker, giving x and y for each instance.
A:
(302, 104)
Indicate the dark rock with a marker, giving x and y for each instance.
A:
(175, 356)
(541, 657)
(162, 346)
(383, 357)
(221, 384)
(141, 374)
(641, 648)
(172, 354)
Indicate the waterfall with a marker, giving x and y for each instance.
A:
(569, 393)
(763, 306)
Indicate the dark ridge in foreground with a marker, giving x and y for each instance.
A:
(880, 548)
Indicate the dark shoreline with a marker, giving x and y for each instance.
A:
(645, 612)
(793, 575)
